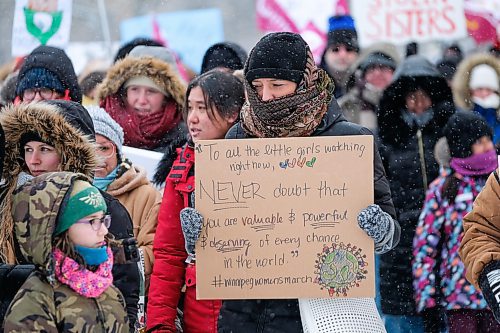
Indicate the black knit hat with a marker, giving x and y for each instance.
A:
(341, 31)
(278, 55)
(227, 54)
(39, 77)
(55, 61)
(462, 130)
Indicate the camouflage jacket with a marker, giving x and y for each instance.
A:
(43, 303)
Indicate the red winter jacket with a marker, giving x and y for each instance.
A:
(170, 272)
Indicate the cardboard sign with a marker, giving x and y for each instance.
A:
(402, 21)
(280, 218)
(40, 22)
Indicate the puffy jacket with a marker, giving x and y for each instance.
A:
(283, 315)
(438, 272)
(43, 303)
(407, 152)
(170, 271)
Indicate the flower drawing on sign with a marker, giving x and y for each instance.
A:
(340, 268)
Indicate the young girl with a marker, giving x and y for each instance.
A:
(213, 102)
(438, 272)
(61, 227)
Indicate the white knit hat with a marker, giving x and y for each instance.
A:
(483, 76)
(106, 126)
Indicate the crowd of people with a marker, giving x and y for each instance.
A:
(89, 244)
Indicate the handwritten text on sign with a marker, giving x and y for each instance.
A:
(280, 218)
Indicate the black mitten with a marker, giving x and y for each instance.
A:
(489, 282)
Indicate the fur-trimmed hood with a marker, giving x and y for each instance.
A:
(35, 207)
(460, 84)
(159, 71)
(64, 125)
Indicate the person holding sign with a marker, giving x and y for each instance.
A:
(213, 101)
(438, 273)
(289, 96)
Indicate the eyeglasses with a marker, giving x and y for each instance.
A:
(105, 150)
(44, 93)
(97, 223)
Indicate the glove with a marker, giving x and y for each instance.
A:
(489, 282)
(375, 222)
(191, 223)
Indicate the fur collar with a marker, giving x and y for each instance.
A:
(77, 150)
(129, 67)
(460, 85)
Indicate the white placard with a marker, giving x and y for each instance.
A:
(402, 21)
(37, 22)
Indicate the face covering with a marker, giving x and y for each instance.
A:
(102, 183)
(490, 102)
(475, 165)
(419, 120)
(92, 256)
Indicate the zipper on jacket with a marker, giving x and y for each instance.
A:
(100, 315)
(422, 158)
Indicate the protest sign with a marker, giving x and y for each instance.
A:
(146, 159)
(40, 22)
(307, 18)
(189, 33)
(402, 21)
(280, 218)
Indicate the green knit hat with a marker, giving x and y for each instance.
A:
(84, 200)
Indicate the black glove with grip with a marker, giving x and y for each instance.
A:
(489, 282)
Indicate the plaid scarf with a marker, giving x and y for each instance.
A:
(298, 114)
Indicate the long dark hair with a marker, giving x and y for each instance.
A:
(223, 92)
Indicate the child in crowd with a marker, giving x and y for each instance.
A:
(439, 273)
(61, 227)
